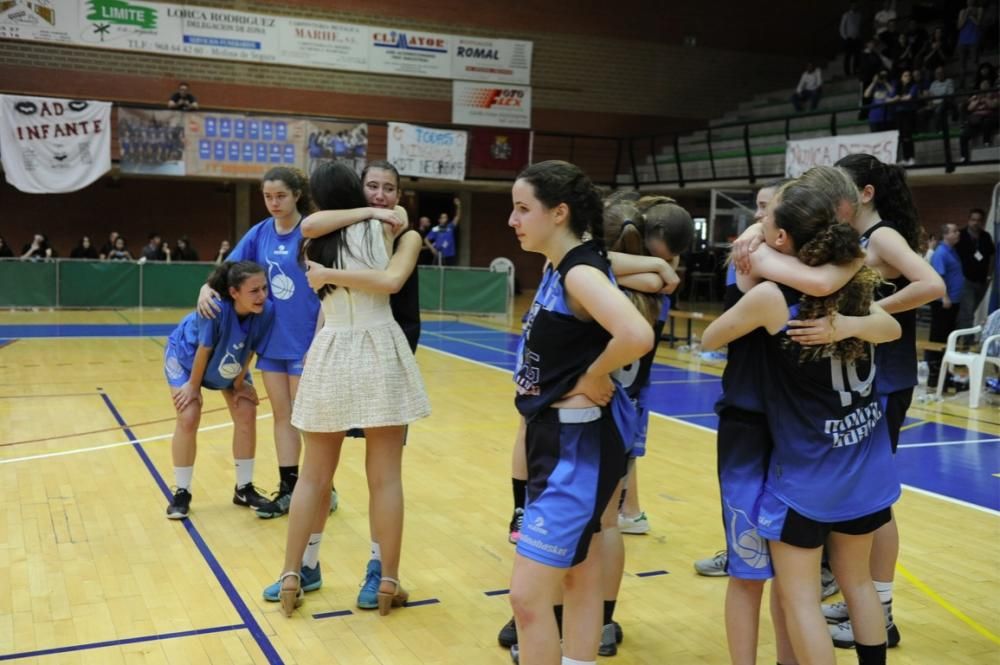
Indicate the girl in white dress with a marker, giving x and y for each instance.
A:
(359, 373)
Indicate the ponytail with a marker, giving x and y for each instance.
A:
(893, 198)
(558, 182)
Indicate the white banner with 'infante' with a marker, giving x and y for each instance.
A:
(50, 145)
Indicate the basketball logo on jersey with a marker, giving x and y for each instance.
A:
(173, 368)
(626, 375)
(229, 366)
(282, 285)
(747, 542)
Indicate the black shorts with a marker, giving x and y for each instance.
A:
(800, 531)
(896, 405)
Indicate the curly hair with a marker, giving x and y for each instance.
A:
(808, 215)
(558, 182)
(893, 199)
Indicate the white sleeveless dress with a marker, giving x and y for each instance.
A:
(360, 371)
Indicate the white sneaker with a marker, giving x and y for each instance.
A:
(713, 566)
(835, 612)
(635, 525)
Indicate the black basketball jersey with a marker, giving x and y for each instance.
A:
(405, 305)
(896, 360)
(557, 348)
(832, 460)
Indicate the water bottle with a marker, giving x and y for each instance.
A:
(923, 374)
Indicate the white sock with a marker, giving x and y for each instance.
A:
(884, 590)
(311, 556)
(570, 661)
(376, 551)
(182, 476)
(244, 472)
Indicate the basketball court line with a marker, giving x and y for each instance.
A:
(250, 623)
(959, 614)
(120, 642)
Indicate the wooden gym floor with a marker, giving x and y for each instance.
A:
(92, 572)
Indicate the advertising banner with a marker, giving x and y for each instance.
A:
(490, 105)
(498, 60)
(151, 141)
(239, 146)
(427, 153)
(800, 156)
(50, 145)
(206, 32)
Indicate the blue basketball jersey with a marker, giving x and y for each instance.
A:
(832, 460)
(230, 338)
(896, 360)
(296, 305)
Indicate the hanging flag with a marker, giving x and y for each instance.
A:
(50, 145)
(499, 149)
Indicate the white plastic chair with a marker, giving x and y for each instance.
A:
(505, 265)
(989, 352)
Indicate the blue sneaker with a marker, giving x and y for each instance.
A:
(311, 579)
(368, 596)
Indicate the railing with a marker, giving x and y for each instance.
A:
(650, 161)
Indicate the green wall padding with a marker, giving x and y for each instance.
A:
(98, 284)
(464, 291)
(27, 284)
(173, 284)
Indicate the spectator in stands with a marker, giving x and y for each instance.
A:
(108, 246)
(906, 96)
(982, 119)
(850, 34)
(975, 251)
(940, 104)
(890, 39)
(923, 85)
(944, 312)
(969, 33)
(5, 251)
(153, 251)
(183, 99)
(224, 249)
(932, 242)
(935, 52)
(184, 251)
(810, 88)
(441, 239)
(879, 95)
(424, 227)
(916, 36)
(38, 249)
(986, 72)
(119, 252)
(903, 57)
(884, 16)
(85, 250)
(870, 63)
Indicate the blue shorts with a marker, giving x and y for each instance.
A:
(642, 430)
(289, 367)
(575, 459)
(177, 375)
(744, 450)
(788, 526)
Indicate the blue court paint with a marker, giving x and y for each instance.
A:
(498, 592)
(961, 471)
(121, 642)
(652, 573)
(418, 603)
(241, 608)
(6, 342)
(330, 615)
(87, 330)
